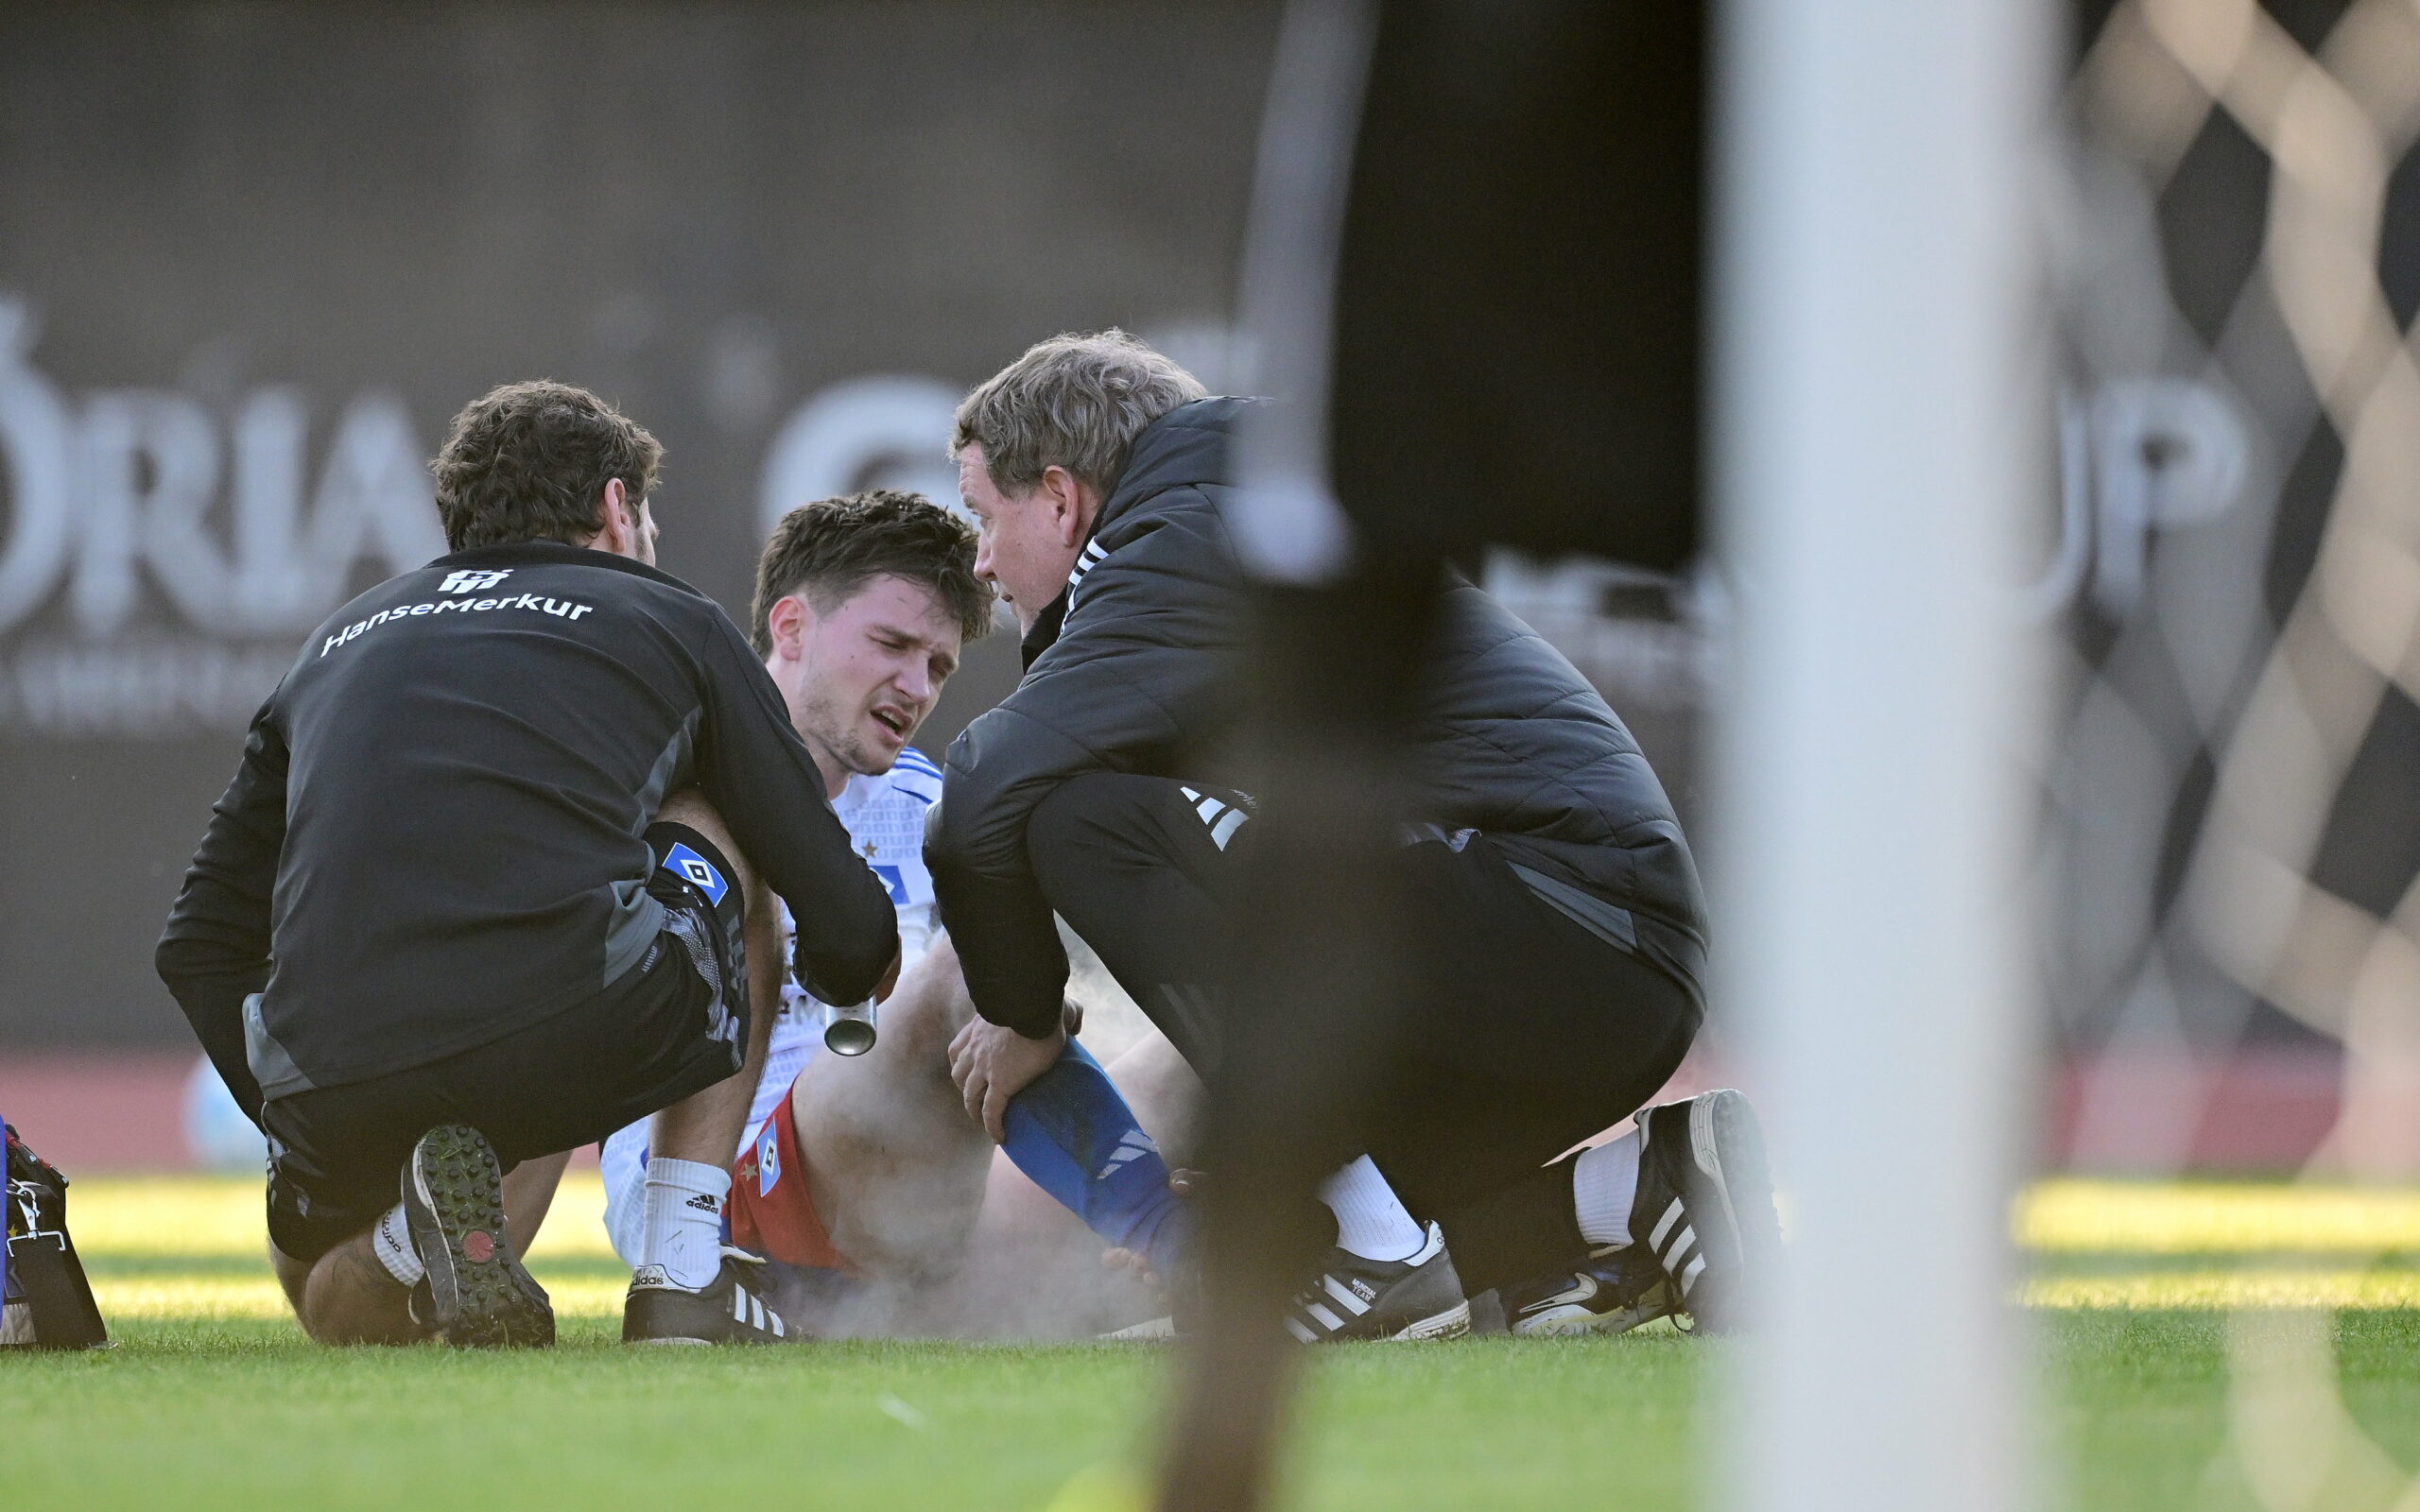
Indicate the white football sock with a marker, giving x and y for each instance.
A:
(391, 1242)
(1603, 1182)
(1370, 1220)
(684, 1228)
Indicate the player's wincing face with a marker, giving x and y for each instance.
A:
(861, 677)
(1024, 546)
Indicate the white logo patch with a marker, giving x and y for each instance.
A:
(471, 580)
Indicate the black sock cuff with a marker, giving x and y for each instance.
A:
(1519, 1231)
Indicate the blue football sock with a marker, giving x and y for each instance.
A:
(1074, 1136)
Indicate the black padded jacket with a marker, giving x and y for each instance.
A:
(1134, 669)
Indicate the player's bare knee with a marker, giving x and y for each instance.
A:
(926, 1013)
(930, 1006)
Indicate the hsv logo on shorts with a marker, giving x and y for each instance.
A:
(684, 862)
(772, 1207)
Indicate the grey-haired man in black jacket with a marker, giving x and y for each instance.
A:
(1571, 937)
(483, 890)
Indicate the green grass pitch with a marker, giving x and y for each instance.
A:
(213, 1401)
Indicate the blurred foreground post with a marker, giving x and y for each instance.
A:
(1472, 283)
(1318, 983)
(1335, 649)
(1875, 160)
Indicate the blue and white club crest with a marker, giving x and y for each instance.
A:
(684, 862)
(769, 1159)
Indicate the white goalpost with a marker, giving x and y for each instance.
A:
(1871, 286)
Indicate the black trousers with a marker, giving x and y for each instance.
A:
(1536, 1033)
(674, 1024)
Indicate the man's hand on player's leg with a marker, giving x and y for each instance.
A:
(991, 1064)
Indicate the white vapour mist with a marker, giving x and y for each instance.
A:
(1016, 1265)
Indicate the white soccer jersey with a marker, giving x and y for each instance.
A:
(885, 817)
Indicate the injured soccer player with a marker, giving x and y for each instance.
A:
(864, 1189)
(872, 1194)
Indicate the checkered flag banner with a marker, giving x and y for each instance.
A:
(2233, 840)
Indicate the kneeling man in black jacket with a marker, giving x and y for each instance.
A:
(1576, 955)
(461, 908)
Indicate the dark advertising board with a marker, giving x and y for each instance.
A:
(253, 258)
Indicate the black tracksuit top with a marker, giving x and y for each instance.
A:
(1136, 668)
(435, 836)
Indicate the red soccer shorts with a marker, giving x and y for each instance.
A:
(773, 1209)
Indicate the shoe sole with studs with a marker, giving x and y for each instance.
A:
(453, 1198)
(1730, 1191)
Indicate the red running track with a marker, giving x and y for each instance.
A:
(2257, 1111)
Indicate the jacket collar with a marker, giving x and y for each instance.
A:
(536, 553)
(1185, 448)
(1044, 633)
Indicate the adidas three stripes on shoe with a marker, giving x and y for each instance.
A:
(727, 1310)
(1419, 1298)
(1704, 1206)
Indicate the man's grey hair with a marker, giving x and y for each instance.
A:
(1076, 400)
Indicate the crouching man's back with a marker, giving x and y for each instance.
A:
(474, 753)
(486, 865)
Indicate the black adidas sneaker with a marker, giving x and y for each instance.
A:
(479, 1296)
(1704, 1206)
(727, 1310)
(1357, 1299)
(1612, 1292)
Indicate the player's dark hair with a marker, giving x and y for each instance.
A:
(527, 462)
(831, 548)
